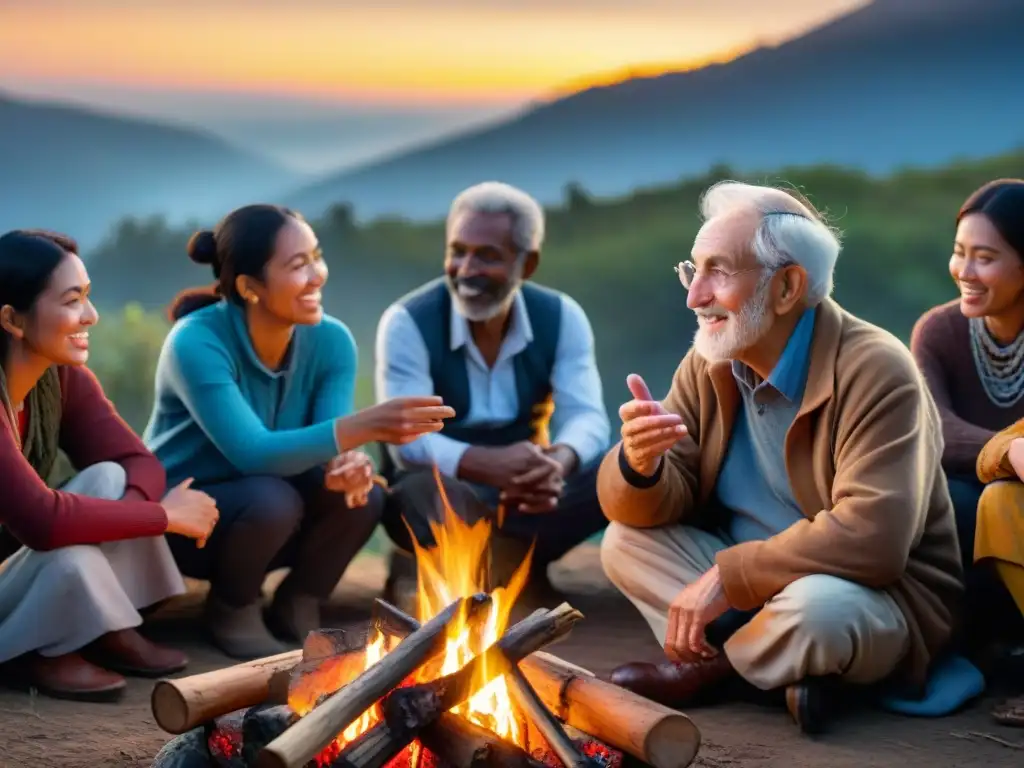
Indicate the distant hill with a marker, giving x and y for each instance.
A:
(895, 83)
(613, 256)
(78, 170)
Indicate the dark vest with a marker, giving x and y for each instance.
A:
(430, 307)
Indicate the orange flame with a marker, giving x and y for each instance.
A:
(456, 566)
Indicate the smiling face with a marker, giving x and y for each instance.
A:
(482, 265)
(293, 278)
(56, 327)
(988, 272)
(729, 292)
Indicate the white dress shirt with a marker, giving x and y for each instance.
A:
(579, 419)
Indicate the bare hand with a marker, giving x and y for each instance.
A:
(398, 421)
(689, 615)
(350, 472)
(648, 430)
(190, 513)
(537, 490)
(1016, 456)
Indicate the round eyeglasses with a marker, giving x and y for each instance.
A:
(716, 276)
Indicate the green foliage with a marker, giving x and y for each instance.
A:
(123, 355)
(613, 256)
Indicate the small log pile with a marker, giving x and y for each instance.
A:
(239, 717)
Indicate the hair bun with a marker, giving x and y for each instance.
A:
(202, 247)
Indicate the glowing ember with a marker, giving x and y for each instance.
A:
(455, 567)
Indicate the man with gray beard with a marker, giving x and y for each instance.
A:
(516, 362)
(792, 473)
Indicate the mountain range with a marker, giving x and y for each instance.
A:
(79, 170)
(893, 83)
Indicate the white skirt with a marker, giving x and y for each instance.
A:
(58, 602)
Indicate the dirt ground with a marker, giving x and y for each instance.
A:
(44, 733)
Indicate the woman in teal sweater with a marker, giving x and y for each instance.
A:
(254, 403)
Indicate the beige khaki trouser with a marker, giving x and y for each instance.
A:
(59, 601)
(818, 625)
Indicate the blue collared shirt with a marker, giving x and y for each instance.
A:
(753, 482)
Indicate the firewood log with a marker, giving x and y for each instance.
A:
(407, 711)
(309, 736)
(650, 732)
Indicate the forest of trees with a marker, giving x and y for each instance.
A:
(614, 256)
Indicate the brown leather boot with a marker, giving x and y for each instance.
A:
(672, 684)
(129, 653)
(72, 677)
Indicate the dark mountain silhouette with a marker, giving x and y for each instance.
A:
(894, 83)
(78, 170)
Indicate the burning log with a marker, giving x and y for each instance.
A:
(655, 734)
(407, 711)
(539, 715)
(309, 736)
(182, 704)
(459, 742)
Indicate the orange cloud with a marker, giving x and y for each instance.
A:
(437, 54)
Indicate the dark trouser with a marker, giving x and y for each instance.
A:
(987, 603)
(268, 523)
(415, 497)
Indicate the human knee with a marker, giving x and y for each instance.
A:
(71, 565)
(621, 548)
(272, 504)
(104, 480)
(821, 606)
(1002, 495)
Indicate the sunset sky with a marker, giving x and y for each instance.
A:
(448, 62)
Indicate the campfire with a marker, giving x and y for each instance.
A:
(454, 687)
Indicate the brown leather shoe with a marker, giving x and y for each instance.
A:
(671, 684)
(72, 677)
(129, 653)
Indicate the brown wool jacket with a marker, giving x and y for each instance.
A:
(864, 458)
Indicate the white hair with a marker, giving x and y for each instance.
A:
(791, 231)
(496, 197)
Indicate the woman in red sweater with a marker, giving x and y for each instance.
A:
(971, 352)
(78, 563)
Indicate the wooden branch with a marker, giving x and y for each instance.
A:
(549, 727)
(541, 628)
(310, 735)
(407, 711)
(459, 742)
(650, 732)
(181, 705)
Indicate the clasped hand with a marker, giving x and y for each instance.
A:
(350, 473)
(531, 479)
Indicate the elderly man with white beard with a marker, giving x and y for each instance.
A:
(792, 472)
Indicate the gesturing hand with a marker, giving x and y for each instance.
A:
(398, 421)
(350, 473)
(648, 430)
(190, 513)
(690, 613)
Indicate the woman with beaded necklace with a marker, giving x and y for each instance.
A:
(971, 352)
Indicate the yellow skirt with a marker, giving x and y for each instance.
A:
(1000, 527)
